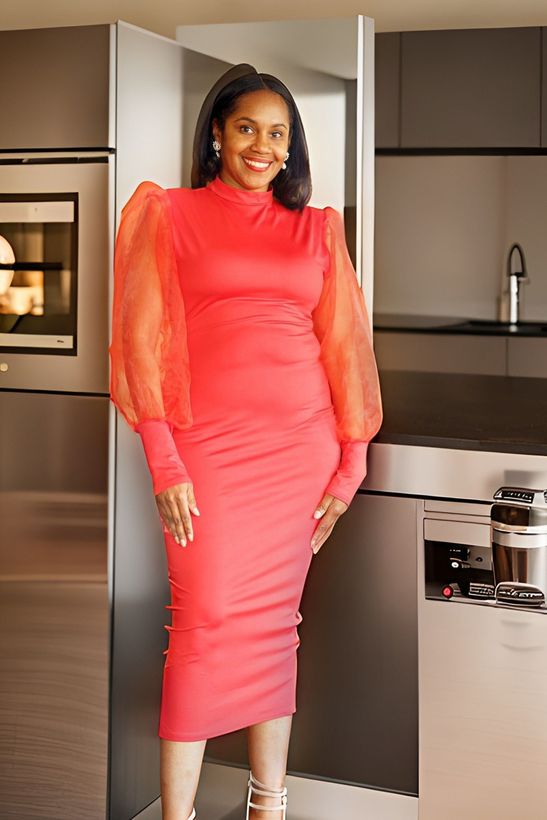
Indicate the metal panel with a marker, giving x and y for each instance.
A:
(471, 475)
(140, 592)
(54, 606)
(149, 114)
(149, 145)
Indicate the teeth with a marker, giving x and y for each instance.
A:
(256, 164)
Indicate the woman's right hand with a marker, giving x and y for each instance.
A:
(175, 504)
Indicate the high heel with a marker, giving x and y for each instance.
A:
(192, 816)
(260, 788)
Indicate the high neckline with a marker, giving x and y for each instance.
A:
(240, 195)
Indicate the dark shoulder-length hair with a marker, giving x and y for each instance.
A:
(291, 186)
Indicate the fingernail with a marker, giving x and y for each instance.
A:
(318, 514)
(191, 536)
(184, 542)
(197, 512)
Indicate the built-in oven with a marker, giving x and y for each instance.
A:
(54, 261)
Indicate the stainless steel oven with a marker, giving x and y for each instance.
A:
(54, 262)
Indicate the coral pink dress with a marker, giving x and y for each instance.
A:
(241, 353)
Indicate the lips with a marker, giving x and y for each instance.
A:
(256, 165)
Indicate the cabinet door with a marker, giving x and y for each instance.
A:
(544, 88)
(358, 678)
(440, 353)
(387, 89)
(54, 87)
(471, 88)
(526, 357)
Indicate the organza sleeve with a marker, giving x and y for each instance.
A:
(341, 323)
(150, 372)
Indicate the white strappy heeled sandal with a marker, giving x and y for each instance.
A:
(192, 816)
(260, 788)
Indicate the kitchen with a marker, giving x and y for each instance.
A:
(452, 436)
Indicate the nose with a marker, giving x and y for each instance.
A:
(261, 143)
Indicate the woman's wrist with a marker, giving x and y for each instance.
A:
(351, 471)
(164, 461)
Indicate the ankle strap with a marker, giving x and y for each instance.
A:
(263, 789)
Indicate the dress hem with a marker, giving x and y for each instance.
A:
(192, 736)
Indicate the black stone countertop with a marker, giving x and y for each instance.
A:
(466, 412)
(413, 323)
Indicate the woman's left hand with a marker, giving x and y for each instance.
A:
(330, 509)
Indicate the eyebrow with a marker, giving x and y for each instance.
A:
(275, 125)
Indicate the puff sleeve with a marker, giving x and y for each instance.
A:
(341, 323)
(150, 373)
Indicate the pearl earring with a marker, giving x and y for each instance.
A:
(216, 147)
(285, 164)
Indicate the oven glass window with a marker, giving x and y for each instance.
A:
(38, 272)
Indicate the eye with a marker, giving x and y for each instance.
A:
(246, 126)
(277, 132)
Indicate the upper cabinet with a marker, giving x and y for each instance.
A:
(463, 89)
(386, 88)
(544, 88)
(54, 87)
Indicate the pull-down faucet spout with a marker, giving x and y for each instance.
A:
(515, 278)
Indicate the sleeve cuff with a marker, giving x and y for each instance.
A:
(351, 471)
(164, 462)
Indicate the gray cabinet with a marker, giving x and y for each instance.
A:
(461, 353)
(358, 660)
(440, 353)
(544, 87)
(527, 357)
(54, 87)
(471, 88)
(387, 89)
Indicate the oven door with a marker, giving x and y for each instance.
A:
(55, 236)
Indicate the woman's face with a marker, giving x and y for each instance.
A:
(255, 140)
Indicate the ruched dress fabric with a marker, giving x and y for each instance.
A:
(241, 353)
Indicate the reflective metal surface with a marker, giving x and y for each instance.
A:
(54, 612)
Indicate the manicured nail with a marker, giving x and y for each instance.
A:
(318, 513)
(191, 536)
(197, 512)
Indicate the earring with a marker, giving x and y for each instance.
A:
(216, 147)
(285, 164)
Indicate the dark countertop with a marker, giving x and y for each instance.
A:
(465, 412)
(413, 323)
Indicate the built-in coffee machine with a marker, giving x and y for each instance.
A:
(507, 569)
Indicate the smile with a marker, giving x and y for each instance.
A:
(256, 165)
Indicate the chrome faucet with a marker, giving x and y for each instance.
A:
(515, 278)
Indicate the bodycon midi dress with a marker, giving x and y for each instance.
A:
(241, 353)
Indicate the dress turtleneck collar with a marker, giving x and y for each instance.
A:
(240, 195)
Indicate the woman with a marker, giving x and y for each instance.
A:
(241, 353)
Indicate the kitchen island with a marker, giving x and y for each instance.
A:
(464, 411)
(458, 436)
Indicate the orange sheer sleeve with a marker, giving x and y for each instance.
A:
(341, 323)
(150, 373)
